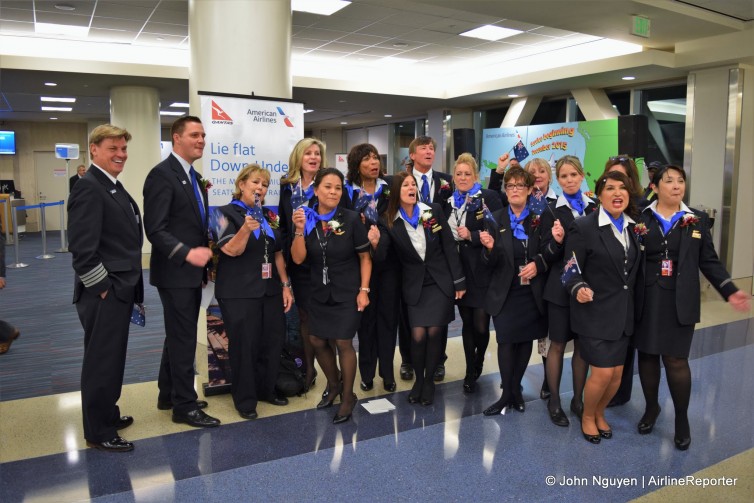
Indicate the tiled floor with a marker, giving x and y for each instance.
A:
(445, 452)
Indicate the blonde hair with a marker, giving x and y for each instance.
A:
(105, 131)
(467, 158)
(573, 161)
(246, 173)
(297, 159)
(538, 162)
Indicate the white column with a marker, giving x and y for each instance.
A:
(594, 104)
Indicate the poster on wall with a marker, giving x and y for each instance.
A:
(241, 131)
(593, 142)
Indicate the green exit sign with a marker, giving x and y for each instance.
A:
(640, 26)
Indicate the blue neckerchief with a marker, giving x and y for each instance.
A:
(666, 225)
(575, 201)
(413, 220)
(617, 222)
(256, 214)
(460, 197)
(366, 203)
(313, 217)
(301, 197)
(349, 189)
(516, 223)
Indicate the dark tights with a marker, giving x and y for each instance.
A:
(476, 337)
(678, 374)
(326, 359)
(555, 371)
(426, 351)
(512, 359)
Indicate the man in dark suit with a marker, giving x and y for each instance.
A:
(175, 220)
(105, 238)
(80, 171)
(436, 187)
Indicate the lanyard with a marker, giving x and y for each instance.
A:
(322, 240)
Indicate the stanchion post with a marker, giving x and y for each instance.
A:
(63, 245)
(17, 264)
(43, 225)
(6, 213)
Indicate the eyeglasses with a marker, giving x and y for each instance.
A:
(620, 158)
(516, 186)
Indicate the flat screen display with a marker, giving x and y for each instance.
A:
(7, 142)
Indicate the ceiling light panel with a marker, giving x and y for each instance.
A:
(61, 29)
(322, 7)
(490, 32)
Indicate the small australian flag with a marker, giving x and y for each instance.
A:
(570, 269)
(519, 150)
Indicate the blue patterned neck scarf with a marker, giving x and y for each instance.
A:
(666, 225)
(413, 220)
(575, 201)
(517, 223)
(460, 197)
(313, 217)
(617, 222)
(255, 212)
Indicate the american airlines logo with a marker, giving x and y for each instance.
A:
(285, 117)
(219, 116)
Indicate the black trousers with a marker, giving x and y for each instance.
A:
(256, 331)
(106, 324)
(379, 323)
(176, 379)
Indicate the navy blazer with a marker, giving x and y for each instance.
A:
(240, 277)
(696, 253)
(105, 238)
(601, 259)
(343, 263)
(500, 260)
(173, 225)
(441, 260)
(554, 291)
(477, 272)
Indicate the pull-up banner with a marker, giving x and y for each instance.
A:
(242, 130)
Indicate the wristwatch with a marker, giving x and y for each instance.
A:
(363, 289)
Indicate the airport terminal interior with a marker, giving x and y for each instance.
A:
(383, 72)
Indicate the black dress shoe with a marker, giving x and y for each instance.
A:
(252, 414)
(167, 404)
(682, 444)
(367, 386)
(469, 384)
(558, 417)
(407, 373)
(390, 386)
(277, 400)
(594, 439)
(577, 408)
(196, 418)
(328, 400)
(413, 399)
(124, 422)
(495, 409)
(647, 422)
(544, 394)
(341, 419)
(518, 404)
(606, 433)
(116, 444)
(439, 373)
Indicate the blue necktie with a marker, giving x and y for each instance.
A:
(425, 189)
(199, 198)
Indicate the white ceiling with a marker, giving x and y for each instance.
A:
(361, 35)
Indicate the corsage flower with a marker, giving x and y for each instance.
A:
(640, 230)
(273, 219)
(335, 227)
(689, 219)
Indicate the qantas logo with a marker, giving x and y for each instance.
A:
(285, 117)
(219, 116)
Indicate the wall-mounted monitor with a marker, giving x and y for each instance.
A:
(7, 142)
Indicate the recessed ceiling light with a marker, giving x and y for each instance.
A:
(50, 84)
(54, 99)
(61, 29)
(53, 118)
(513, 95)
(400, 44)
(170, 112)
(56, 109)
(388, 115)
(343, 123)
(490, 32)
(307, 111)
(160, 39)
(391, 60)
(341, 101)
(628, 77)
(178, 104)
(64, 6)
(324, 7)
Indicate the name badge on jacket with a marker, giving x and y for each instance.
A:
(696, 234)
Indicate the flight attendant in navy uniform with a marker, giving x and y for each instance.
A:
(334, 243)
(432, 276)
(677, 244)
(253, 291)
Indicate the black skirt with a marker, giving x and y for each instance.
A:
(559, 319)
(434, 309)
(604, 354)
(334, 320)
(519, 320)
(301, 282)
(658, 332)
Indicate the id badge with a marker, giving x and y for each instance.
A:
(667, 268)
(266, 270)
(524, 281)
(325, 277)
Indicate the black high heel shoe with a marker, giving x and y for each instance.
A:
(646, 425)
(544, 392)
(329, 398)
(518, 403)
(310, 384)
(682, 444)
(428, 393)
(469, 384)
(415, 394)
(338, 419)
(594, 439)
(496, 408)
